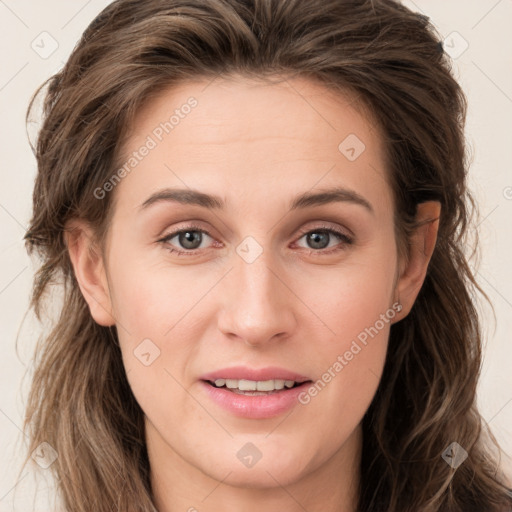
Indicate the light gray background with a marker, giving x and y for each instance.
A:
(484, 69)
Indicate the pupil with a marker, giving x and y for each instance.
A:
(315, 239)
(186, 238)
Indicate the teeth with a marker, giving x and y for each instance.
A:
(279, 384)
(252, 385)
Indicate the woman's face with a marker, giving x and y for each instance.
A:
(253, 292)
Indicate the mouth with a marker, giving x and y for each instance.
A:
(256, 388)
(254, 393)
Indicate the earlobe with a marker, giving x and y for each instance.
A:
(89, 269)
(421, 248)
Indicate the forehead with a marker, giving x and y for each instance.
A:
(255, 108)
(240, 135)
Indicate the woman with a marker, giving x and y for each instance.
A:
(258, 212)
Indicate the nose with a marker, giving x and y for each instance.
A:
(258, 305)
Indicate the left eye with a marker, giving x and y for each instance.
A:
(190, 239)
(322, 236)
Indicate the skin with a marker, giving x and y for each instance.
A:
(257, 146)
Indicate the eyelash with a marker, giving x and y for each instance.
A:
(347, 240)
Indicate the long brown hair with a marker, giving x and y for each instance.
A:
(390, 57)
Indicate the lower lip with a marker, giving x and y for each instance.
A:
(255, 407)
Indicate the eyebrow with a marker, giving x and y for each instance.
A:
(214, 202)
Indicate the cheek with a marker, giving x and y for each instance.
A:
(149, 298)
(157, 310)
(356, 313)
(351, 297)
(151, 311)
(348, 367)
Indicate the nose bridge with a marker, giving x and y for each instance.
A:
(257, 281)
(258, 305)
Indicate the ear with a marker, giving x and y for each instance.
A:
(89, 270)
(421, 247)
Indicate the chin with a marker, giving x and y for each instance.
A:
(261, 476)
(256, 462)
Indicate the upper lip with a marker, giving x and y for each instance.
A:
(261, 374)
